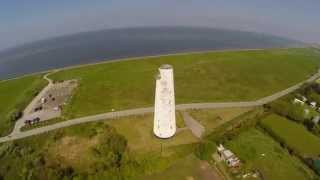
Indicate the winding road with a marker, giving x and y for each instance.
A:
(17, 134)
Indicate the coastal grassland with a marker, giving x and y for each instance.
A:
(199, 77)
(213, 118)
(14, 97)
(293, 135)
(138, 130)
(259, 151)
(92, 150)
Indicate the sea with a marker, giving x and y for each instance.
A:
(104, 45)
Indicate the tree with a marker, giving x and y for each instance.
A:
(315, 87)
(280, 107)
(314, 96)
(111, 149)
(296, 112)
(309, 124)
(67, 172)
(15, 115)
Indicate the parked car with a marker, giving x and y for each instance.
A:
(36, 120)
(39, 108)
(27, 122)
(32, 121)
(57, 108)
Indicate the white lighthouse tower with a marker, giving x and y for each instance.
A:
(164, 113)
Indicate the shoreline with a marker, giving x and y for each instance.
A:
(141, 58)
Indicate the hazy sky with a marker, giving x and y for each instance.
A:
(29, 20)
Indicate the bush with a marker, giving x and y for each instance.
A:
(316, 164)
(296, 112)
(236, 126)
(15, 115)
(316, 130)
(67, 172)
(315, 87)
(309, 124)
(284, 107)
(314, 96)
(205, 150)
(280, 107)
(110, 149)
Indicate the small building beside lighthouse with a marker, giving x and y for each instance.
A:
(164, 109)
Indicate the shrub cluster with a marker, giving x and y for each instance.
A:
(226, 132)
(35, 164)
(284, 107)
(205, 149)
(233, 128)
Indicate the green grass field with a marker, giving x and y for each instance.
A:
(275, 164)
(186, 169)
(213, 118)
(200, 77)
(138, 130)
(72, 152)
(293, 134)
(14, 96)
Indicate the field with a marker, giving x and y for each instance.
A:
(186, 169)
(44, 156)
(93, 150)
(293, 135)
(199, 77)
(138, 131)
(259, 151)
(14, 96)
(213, 118)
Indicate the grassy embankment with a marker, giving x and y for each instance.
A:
(293, 135)
(203, 77)
(259, 151)
(15, 96)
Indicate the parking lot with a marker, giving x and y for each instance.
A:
(50, 104)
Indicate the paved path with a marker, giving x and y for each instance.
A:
(141, 111)
(196, 128)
